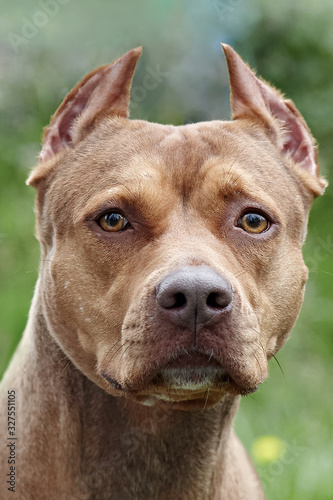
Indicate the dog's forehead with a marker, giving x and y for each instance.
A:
(179, 150)
(183, 157)
(157, 164)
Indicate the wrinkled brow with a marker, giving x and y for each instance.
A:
(223, 179)
(147, 197)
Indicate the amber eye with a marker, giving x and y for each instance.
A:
(253, 223)
(113, 222)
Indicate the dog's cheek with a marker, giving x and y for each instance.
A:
(66, 321)
(284, 294)
(66, 303)
(85, 298)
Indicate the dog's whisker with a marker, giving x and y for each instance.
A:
(258, 332)
(259, 365)
(320, 271)
(237, 275)
(118, 342)
(203, 409)
(279, 365)
(112, 355)
(126, 349)
(261, 346)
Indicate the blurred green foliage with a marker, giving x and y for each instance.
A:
(291, 44)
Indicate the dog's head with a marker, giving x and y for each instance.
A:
(171, 256)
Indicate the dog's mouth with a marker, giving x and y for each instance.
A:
(191, 372)
(188, 381)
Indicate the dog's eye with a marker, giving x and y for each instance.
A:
(113, 222)
(253, 223)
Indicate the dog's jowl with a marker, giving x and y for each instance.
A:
(171, 272)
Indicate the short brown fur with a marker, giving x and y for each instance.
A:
(94, 420)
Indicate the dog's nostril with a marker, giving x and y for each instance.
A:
(211, 300)
(218, 300)
(175, 301)
(180, 300)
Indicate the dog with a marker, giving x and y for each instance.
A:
(171, 272)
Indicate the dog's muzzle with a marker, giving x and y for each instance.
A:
(194, 296)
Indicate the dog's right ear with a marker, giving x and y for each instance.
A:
(255, 99)
(103, 92)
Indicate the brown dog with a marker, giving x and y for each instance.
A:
(171, 272)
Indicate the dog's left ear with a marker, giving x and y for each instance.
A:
(103, 92)
(253, 98)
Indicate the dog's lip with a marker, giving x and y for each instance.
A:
(190, 372)
(184, 377)
(183, 402)
(207, 388)
(192, 360)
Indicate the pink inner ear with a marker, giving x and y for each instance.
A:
(58, 136)
(296, 140)
(59, 132)
(299, 148)
(251, 96)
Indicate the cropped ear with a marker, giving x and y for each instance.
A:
(252, 97)
(103, 92)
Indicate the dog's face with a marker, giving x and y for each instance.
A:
(172, 266)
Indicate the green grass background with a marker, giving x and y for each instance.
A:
(291, 44)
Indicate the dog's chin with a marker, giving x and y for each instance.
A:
(187, 382)
(191, 388)
(186, 387)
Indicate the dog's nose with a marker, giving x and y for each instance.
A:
(193, 295)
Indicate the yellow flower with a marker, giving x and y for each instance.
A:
(268, 449)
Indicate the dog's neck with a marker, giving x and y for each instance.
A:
(116, 445)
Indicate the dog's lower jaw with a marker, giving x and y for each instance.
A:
(105, 447)
(190, 382)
